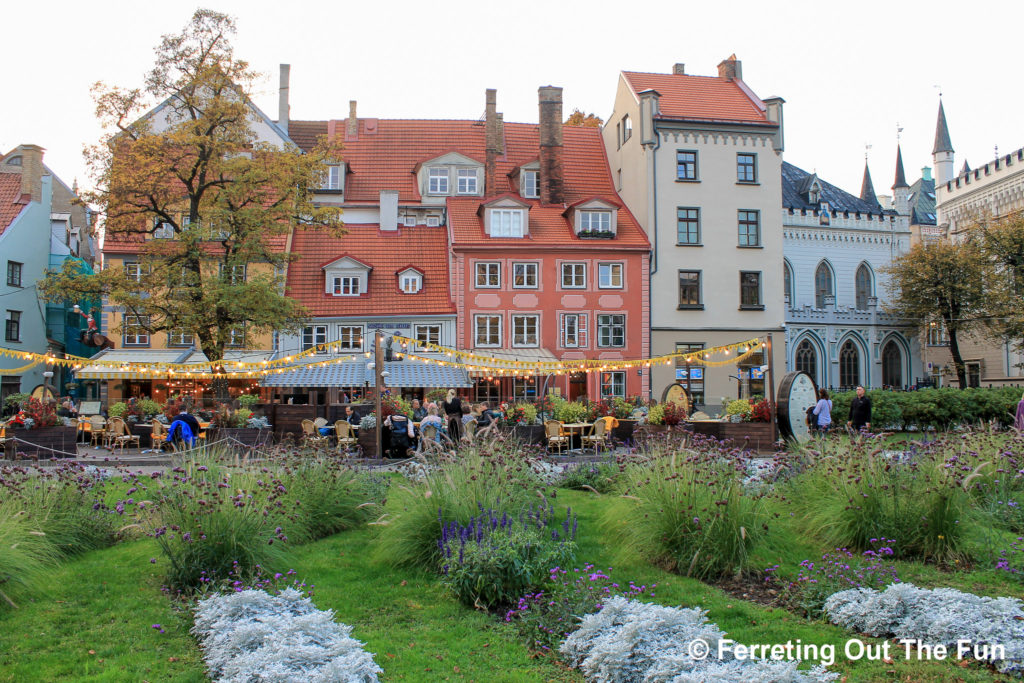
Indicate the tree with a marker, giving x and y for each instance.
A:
(942, 281)
(1002, 242)
(194, 170)
(578, 118)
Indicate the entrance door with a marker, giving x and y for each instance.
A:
(577, 385)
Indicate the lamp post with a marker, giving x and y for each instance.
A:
(378, 381)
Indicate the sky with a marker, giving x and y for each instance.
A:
(849, 72)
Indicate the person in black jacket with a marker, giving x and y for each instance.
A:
(453, 409)
(860, 412)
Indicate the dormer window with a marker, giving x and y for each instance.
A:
(331, 178)
(437, 181)
(595, 221)
(467, 181)
(507, 222)
(345, 277)
(531, 184)
(14, 161)
(815, 194)
(345, 285)
(594, 218)
(410, 281)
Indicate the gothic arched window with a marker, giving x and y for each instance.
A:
(807, 359)
(862, 286)
(822, 284)
(892, 365)
(849, 365)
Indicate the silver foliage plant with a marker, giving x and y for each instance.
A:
(635, 642)
(940, 616)
(254, 636)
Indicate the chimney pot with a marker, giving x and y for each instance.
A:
(730, 68)
(352, 124)
(552, 190)
(679, 69)
(32, 171)
(283, 109)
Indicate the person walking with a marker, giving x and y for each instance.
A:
(860, 412)
(823, 411)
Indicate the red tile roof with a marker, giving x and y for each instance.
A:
(134, 243)
(11, 200)
(704, 98)
(423, 248)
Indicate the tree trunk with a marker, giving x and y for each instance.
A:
(958, 361)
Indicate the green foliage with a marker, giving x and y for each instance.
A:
(600, 477)
(688, 515)
(147, 407)
(325, 497)
(932, 408)
(740, 406)
(248, 400)
(119, 409)
(656, 414)
(15, 400)
(569, 411)
(241, 417)
(68, 506)
(435, 396)
(27, 555)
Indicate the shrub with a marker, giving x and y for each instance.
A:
(248, 400)
(367, 422)
(933, 408)
(599, 477)
(545, 618)
(14, 401)
(635, 641)
(147, 407)
(38, 414)
(1011, 560)
(258, 423)
(251, 635)
(324, 496)
(688, 514)
(27, 555)
(119, 409)
(740, 406)
(494, 559)
(241, 417)
(569, 411)
(656, 414)
(518, 414)
(938, 616)
(672, 413)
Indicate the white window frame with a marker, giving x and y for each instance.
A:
(433, 221)
(431, 335)
(341, 283)
(410, 283)
(133, 271)
(234, 278)
(608, 274)
(577, 271)
(471, 184)
(350, 337)
(531, 184)
(508, 222)
(490, 268)
(236, 336)
(409, 220)
(606, 321)
(613, 384)
(491, 318)
(522, 335)
(595, 221)
(179, 337)
(438, 180)
(332, 178)
(313, 335)
(162, 230)
(137, 322)
(573, 330)
(530, 273)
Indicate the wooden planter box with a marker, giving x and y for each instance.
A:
(624, 432)
(40, 441)
(738, 433)
(368, 442)
(529, 434)
(248, 436)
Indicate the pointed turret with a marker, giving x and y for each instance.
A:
(942, 142)
(966, 169)
(867, 188)
(942, 152)
(900, 189)
(901, 177)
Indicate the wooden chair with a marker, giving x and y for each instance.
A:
(344, 435)
(158, 437)
(311, 436)
(320, 422)
(432, 441)
(469, 432)
(97, 431)
(120, 435)
(598, 436)
(555, 438)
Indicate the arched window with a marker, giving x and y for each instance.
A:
(822, 284)
(892, 365)
(862, 286)
(849, 365)
(807, 359)
(787, 281)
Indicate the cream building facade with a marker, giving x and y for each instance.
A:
(697, 160)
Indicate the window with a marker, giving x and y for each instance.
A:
(609, 275)
(687, 225)
(162, 230)
(466, 181)
(350, 338)
(787, 281)
(686, 165)
(506, 222)
(427, 334)
(525, 330)
(613, 384)
(892, 365)
(135, 333)
(849, 366)
(611, 331)
(133, 271)
(746, 168)
(488, 275)
(314, 335)
(973, 375)
(14, 273)
(595, 221)
(411, 282)
(236, 336)
(627, 128)
(433, 221)
(179, 337)
(937, 334)
(524, 388)
(689, 289)
(332, 178)
(574, 330)
(437, 181)
(750, 290)
(531, 184)
(346, 285)
(488, 330)
(807, 359)
(691, 374)
(409, 220)
(822, 284)
(574, 275)
(862, 287)
(12, 333)
(524, 275)
(749, 227)
(234, 275)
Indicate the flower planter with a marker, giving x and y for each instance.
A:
(247, 436)
(624, 432)
(368, 443)
(529, 434)
(43, 443)
(760, 434)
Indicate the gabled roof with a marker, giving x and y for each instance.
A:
(345, 257)
(942, 141)
(388, 254)
(700, 98)
(12, 202)
(794, 178)
(922, 202)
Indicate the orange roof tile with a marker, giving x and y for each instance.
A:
(704, 98)
(387, 253)
(122, 242)
(11, 200)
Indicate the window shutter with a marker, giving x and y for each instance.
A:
(582, 331)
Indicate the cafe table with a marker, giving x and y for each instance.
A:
(576, 429)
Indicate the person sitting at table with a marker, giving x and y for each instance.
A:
(351, 417)
(401, 435)
(468, 415)
(187, 418)
(434, 419)
(418, 411)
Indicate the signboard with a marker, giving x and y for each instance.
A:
(386, 326)
(89, 408)
(695, 373)
(756, 373)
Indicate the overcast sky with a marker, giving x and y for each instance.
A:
(848, 71)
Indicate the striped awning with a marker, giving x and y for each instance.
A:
(132, 358)
(401, 374)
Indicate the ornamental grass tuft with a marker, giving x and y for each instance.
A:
(26, 556)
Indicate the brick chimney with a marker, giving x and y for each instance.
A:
(492, 143)
(552, 189)
(352, 124)
(679, 69)
(32, 171)
(731, 68)
(282, 97)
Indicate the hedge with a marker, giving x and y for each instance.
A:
(938, 408)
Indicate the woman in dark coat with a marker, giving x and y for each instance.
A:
(453, 410)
